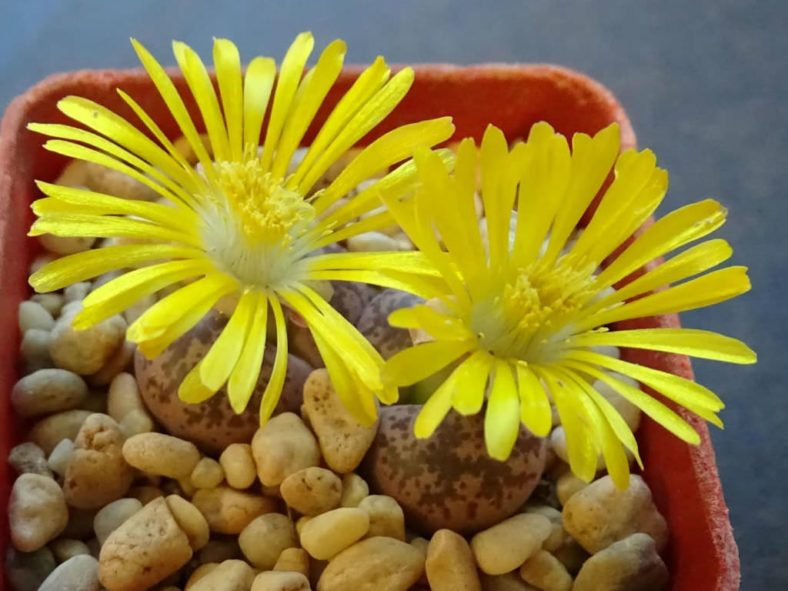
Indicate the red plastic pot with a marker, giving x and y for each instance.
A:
(702, 555)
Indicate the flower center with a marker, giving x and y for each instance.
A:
(531, 311)
(253, 225)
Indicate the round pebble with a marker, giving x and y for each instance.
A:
(343, 441)
(354, 489)
(85, 351)
(123, 396)
(312, 491)
(631, 563)
(190, 520)
(60, 457)
(144, 550)
(34, 315)
(112, 516)
(79, 573)
(50, 431)
(328, 534)
(449, 563)
(29, 458)
(280, 581)
(385, 517)
(37, 512)
(374, 324)
(283, 446)
(207, 473)
(229, 511)
(238, 465)
(265, 538)
(601, 514)
(165, 455)
(34, 350)
(65, 548)
(48, 391)
(374, 563)
(545, 571)
(52, 302)
(231, 575)
(97, 474)
(505, 546)
(293, 560)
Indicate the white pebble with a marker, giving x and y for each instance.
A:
(34, 315)
(60, 456)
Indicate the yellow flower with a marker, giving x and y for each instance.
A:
(524, 313)
(240, 226)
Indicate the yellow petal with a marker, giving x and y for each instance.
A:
(672, 231)
(258, 83)
(243, 378)
(471, 383)
(309, 98)
(174, 103)
(498, 192)
(413, 364)
(435, 409)
(289, 77)
(684, 341)
(535, 410)
(227, 63)
(90, 263)
(502, 417)
(273, 389)
(120, 293)
(367, 84)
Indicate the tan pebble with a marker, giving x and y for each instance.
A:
(145, 494)
(283, 446)
(37, 512)
(136, 422)
(506, 582)
(354, 489)
(385, 517)
(343, 441)
(161, 454)
(190, 520)
(312, 491)
(64, 245)
(123, 396)
(120, 361)
(238, 465)
(229, 511)
(65, 548)
(133, 312)
(280, 581)
(29, 458)
(186, 486)
(264, 539)
(230, 575)
(97, 474)
(373, 564)
(145, 549)
(52, 302)
(450, 565)
(112, 516)
(545, 571)
(34, 315)
(85, 351)
(34, 350)
(601, 514)
(48, 391)
(328, 534)
(199, 573)
(50, 431)
(567, 485)
(113, 182)
(79, 573)
(558, 535)
(504, 547)
(293, 560)
(207, 473)
(301, 522)
(631, 563)
(372, 241)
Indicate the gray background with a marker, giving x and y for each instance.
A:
(704, 82)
